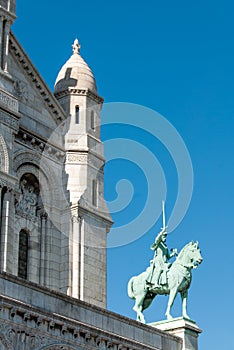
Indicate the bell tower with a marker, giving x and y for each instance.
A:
(76, 91)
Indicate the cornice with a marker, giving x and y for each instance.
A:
(53, 105)
(80, 92)
(40, 145)
(61, 328)
(7, 180)
(7, 15)
(85, 208)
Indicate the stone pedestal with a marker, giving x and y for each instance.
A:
(183, 328)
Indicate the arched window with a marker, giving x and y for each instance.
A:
(95, 193)
(23, 255)
(3, 192)
(4, 23)
(92, 121)
(77, 115)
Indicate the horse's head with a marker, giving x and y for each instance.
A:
(190, 256)
(194, 254)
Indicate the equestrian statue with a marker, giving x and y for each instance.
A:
(164, 277)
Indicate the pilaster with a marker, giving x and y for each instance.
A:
(7, 17)
(75, 257)
(42, 249)
(7, 231)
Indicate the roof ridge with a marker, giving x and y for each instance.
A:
(57, 111)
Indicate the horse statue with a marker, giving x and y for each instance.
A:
(178, 279)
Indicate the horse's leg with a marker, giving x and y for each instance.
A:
(172, 296)
(138, 307)
(184, 296)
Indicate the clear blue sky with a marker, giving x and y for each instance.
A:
(175, 57)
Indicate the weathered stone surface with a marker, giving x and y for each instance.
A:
(186, 329)
(33, 317)
(38, 139)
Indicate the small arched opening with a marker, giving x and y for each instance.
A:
(23, 254)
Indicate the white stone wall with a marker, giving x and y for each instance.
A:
(67, 232)
(91, 221)
(40, 319)
(25, 125)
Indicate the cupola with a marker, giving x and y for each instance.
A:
(75, 74)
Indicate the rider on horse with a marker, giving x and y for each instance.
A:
(160, 263)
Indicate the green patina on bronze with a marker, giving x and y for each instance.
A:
(163, 277)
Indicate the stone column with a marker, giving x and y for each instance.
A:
(47, 252)
(67, 245)
(6, 234)
(75, 257)
(183, 328)
(1, 39)
(0, 206)
(81, 257)
(66, 256)
(1, 227)
(42, 250)
(7, 17)
(48, 243)
(6, 35)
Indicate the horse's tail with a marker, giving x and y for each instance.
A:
(130, 288)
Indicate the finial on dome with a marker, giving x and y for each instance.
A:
(76, 47)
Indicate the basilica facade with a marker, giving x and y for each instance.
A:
(54, 219)
(53, 216)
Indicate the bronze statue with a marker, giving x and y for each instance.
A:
(160, 263)
(162, 277)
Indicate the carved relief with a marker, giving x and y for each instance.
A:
(3, 342)
(28, 200)
(8, 101)
(17, 338)
(25, 329)
(75, 219)
(9, 121)
(101, 344)
(31, 141)
(84, 158)
(48, 176)
(39, 146)
(14, 337)
(21, 90)
(29, 195)
(22, 340)
(76, 158)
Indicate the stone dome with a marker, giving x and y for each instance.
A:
(75, 73)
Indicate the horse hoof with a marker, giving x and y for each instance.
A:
(187, 317)
(169, 317)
